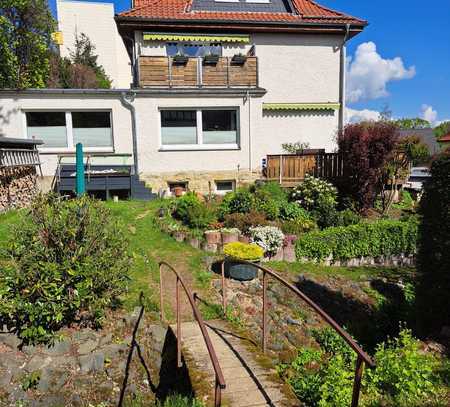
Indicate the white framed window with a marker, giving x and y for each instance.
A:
(223, 187)
(199, 129)
(62, 130)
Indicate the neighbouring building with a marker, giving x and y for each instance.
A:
(202, 90)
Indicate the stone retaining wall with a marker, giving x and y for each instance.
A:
(18, 186)
(200, 181)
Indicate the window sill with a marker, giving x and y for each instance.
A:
(199, 147)
(62, 150)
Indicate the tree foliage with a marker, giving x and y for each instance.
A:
(412, 123)
(434, 246)
(81, 70)
(367, 147)
(442, 130)
(25, 41)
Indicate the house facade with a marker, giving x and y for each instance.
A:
(202, 90)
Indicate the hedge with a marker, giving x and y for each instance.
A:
(381, 238)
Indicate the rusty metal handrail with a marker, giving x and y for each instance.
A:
(220, 381)
(363, 357)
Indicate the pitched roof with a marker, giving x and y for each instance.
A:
(307, 11)
(445, 138)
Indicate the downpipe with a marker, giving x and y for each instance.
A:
(342, 78)
(127, 100)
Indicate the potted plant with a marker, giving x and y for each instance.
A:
(210, 59)
(213, 236)
(180, 59)
(230, 235)
(236, 252)
(239, 59)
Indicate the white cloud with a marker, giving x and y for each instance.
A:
(428, 113)
(355, 116)
(368, 73)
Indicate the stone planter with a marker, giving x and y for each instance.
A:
(179, 236)
(229, 237)
(213, 237)
(194, 242)
(239, 271)
(210, 247)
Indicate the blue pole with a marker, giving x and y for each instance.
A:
(80, 185)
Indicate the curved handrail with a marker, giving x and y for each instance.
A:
(362, 356)
(220, 381)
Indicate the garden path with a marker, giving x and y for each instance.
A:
(248, 382)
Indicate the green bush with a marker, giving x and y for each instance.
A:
(314, 192)
(240, 201)
(273, 190)
(183, 204)
(297, 227)
(404, 375)
(293, 211)
(200, 216)
(384, 237)
(68, 262)
(244, 221)
(269, 207)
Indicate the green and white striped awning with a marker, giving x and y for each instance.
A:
(301, 106)
(241, 38)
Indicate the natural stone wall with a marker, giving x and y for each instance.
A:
(87, 367)
(18, 186)
(201, 181)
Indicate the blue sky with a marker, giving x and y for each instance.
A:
(416, 32)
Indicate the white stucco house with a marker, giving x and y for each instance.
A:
(202, 90)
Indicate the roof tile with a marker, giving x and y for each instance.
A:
(308, 11)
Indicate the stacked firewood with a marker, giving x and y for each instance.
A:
(17, 187)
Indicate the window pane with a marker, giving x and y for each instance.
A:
(178, 127)
(92, 129)
(50, 127)
(219, 127)
(171, 49)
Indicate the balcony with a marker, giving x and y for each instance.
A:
(160, 71)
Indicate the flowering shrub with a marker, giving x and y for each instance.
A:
(314, 192)
(243, 251)
(270, 238)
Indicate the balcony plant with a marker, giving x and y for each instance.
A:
(239, 59)
(235, 253)
(180, 59)
(210, 59)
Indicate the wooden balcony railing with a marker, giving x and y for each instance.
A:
(160, 71)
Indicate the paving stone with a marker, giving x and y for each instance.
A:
(59, 348)
(92, 363)
(10, 340)
(87, 347)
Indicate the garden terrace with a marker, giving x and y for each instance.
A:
(159, 71)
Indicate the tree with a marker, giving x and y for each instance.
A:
(366, 148)
(83, 54)
(25, 43)
(413, 123)
(386, 113)
(433, 259)
(442, 130)
(407, 150)
(80, 71)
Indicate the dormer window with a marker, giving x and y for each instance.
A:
(193, 49)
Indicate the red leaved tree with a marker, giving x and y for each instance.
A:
(366, 148)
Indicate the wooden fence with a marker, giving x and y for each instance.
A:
(290, 169)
